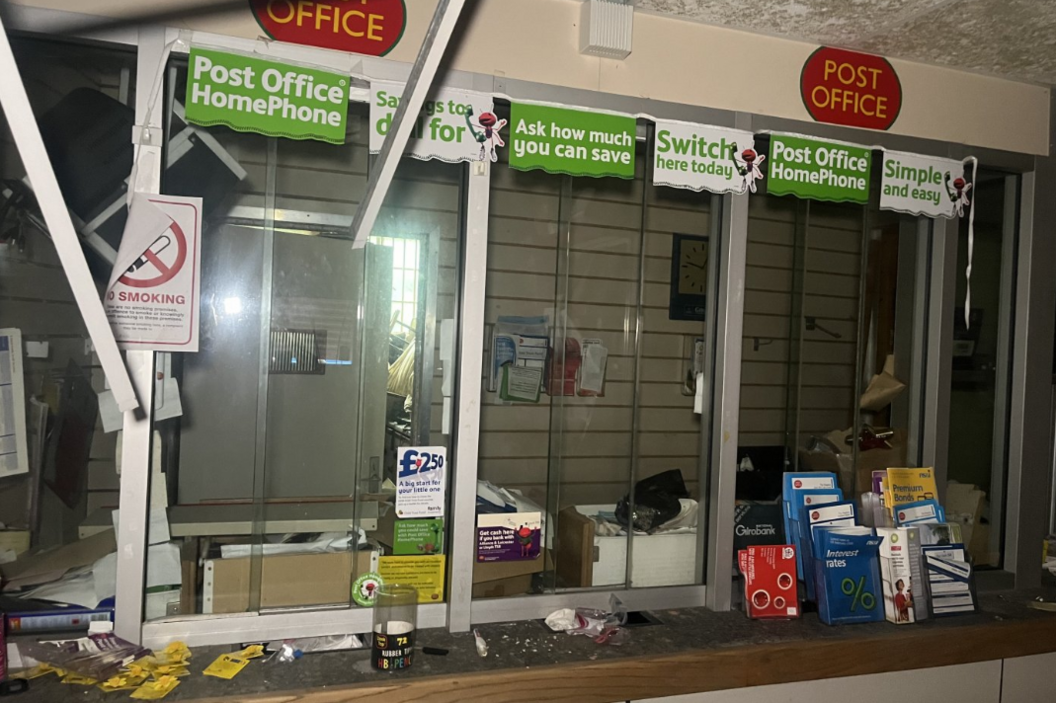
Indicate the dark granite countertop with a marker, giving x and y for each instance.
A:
(531, 645)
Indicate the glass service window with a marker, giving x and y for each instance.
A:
(592, 462)
(318, 363)
(59, 469)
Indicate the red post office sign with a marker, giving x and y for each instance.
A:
(361, 26)
(848, 88)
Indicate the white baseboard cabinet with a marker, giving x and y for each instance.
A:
(965, 683)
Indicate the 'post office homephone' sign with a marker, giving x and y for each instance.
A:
(255, 95)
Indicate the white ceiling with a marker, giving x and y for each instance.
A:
(1010, 38)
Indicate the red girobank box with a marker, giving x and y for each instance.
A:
(770, 589)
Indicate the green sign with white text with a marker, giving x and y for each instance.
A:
(571, 141)
(250, 94)
(817, 170)
(418, 537)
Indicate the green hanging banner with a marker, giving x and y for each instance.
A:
(251, 94)
(818, 170)
(558, 140)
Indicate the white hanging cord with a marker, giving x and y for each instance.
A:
(971, 242)
(143, 130)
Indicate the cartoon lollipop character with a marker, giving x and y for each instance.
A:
(524, 536)
(747, 164)
(958, 193)
(486, 132)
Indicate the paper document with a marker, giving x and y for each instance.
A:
(14, 453)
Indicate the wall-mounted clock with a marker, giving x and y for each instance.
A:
(689, 277)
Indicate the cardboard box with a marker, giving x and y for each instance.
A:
(854, 480)
(757, 523)
(287, 580)
(585, 559)
(499, 579)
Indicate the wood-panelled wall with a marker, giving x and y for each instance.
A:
(830, 249)
(577, 450)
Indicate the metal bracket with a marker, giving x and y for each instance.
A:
(419, 83)
(145, 135)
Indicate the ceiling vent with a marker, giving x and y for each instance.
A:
(605, 28)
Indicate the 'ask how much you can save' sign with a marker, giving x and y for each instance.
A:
(255, 95)
(575, 142)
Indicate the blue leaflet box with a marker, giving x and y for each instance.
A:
(847, 573)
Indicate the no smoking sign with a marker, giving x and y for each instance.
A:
(153, 297)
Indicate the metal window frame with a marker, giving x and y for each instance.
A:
(1032, 353)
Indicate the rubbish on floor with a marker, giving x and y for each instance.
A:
(435, 651)
(97, 657)
(14, 686)
(562, 620)
(286, 651)
(253, 651)
(482, 645)
(156, 690)
(605, 627)
(226, 666)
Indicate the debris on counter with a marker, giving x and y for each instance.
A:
(605, 627)
(95, 657)
(156, 690)
(435, 651)
(482, 646)
(561, 620)
(294, 648)
(226, 666)
(253, 651)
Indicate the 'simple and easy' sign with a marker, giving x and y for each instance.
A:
(924, 185)
(371, 27)
(851, 88)
(153, 297)
(575, 142)
(256, 95)
(817, 170)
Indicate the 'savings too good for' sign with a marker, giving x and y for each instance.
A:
(453, 125)
(701, 157)
(371, 27)
(817, 170)
(575, 142)
(255, 95)
(850, 88)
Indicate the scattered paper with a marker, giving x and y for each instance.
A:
(226, 666)
(14, 451)
(156, 690)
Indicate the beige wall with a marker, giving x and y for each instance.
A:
(685, 62)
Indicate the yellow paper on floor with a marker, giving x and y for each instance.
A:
(38, 671)
(78, 680)
(123, 682)
(175, 653)
(253, 651)
(178, 670)
(226, 666)
(156, 690)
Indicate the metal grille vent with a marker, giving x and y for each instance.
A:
(297, 352)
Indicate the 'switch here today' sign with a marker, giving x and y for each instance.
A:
(249, 94)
